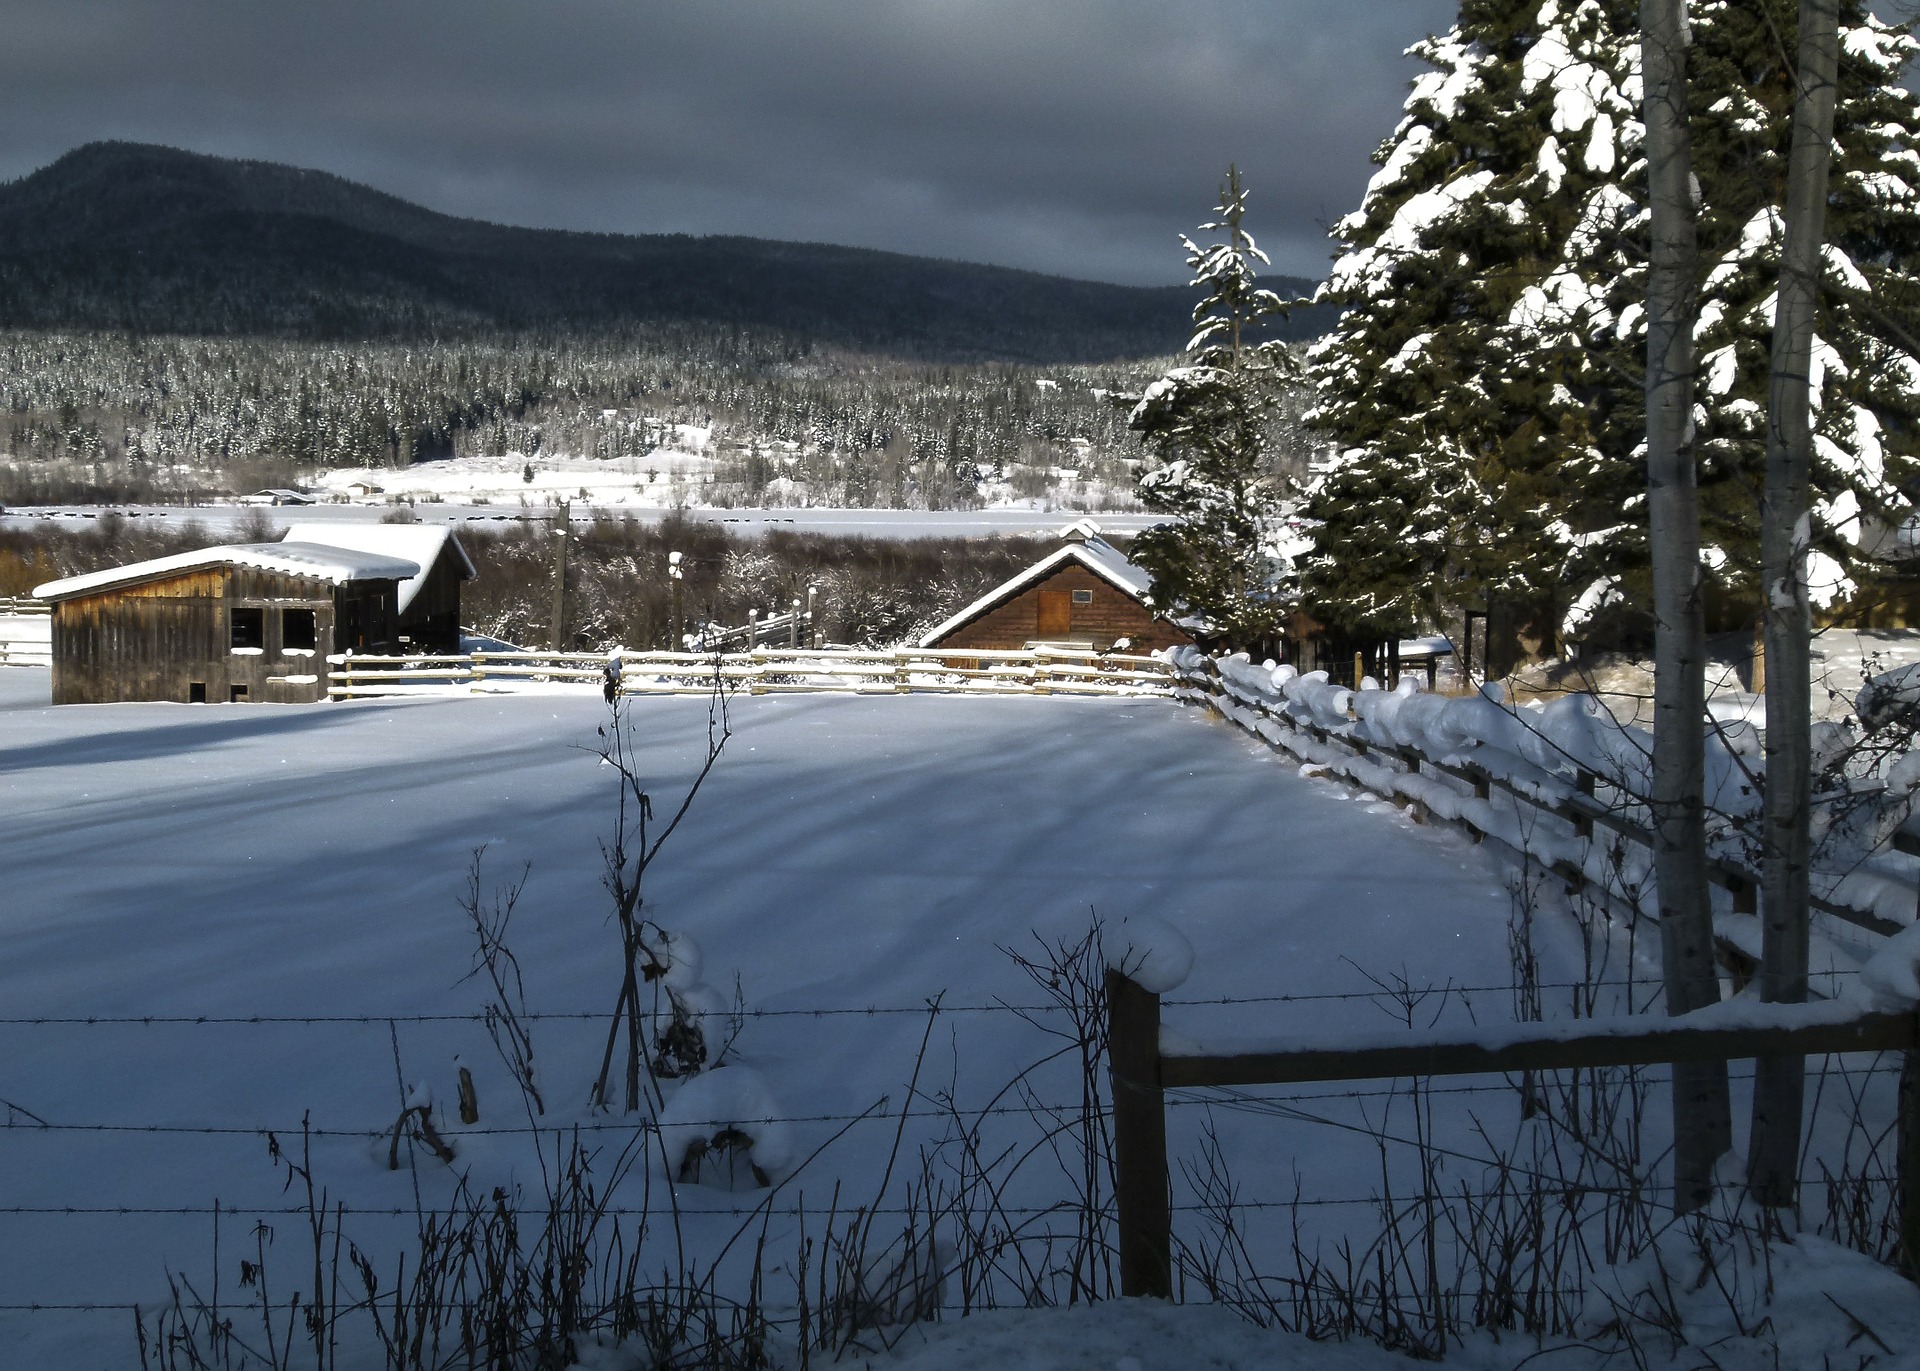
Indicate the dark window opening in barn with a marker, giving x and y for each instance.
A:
(298, 630)
(237, 694)
(249, 629)
(1083, 597)
(196, 692)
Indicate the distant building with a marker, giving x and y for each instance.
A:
(277, 497)
(429, 600)
(248, 622)
(1086, 595)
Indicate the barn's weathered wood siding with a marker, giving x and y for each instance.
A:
(432, 621)
(1045, 612)
(173, 638)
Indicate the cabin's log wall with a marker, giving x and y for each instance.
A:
(1113, 614)
(162, 639)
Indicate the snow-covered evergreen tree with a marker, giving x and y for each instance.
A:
(1483, 388)
(1207, 424)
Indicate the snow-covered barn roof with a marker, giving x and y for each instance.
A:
(1087, 548)
(421, 543)
(323, 563)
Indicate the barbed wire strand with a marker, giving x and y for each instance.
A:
(481, 1016)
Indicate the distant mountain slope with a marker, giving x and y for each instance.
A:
(152, 239)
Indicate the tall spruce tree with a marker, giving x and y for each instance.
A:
(1207, 424)
(1437, 493)
(1483, 388)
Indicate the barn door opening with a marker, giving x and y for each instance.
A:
(1056, 614)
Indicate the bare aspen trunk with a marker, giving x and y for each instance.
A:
(1702, 1116)
(1779, 1084)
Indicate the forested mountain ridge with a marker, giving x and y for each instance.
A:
(155, 240)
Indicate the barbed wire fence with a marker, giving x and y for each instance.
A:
(1206, 1203)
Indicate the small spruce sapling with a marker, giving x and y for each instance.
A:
(1208, 424)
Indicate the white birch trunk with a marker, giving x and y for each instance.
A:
(1702, 1119)
(1773, 1160)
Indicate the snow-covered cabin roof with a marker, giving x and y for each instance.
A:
(421, 543)
(1086, 547)
(323, 563)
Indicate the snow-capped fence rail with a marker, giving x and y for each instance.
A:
(765, 671)
(1143, 1070)
(1563, 786)
(795, 626)
(26, 632)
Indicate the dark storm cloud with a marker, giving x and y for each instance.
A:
(1068, 137)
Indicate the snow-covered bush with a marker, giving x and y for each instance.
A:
(723, 1128)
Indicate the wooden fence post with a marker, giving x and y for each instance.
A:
(1139, 1139)
(1482, 790)
(562, 529)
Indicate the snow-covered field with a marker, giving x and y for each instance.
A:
(226, 862)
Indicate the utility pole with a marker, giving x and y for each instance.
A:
(676, 575)
(560, 534)
(1779, 1083)
(1702, 1113)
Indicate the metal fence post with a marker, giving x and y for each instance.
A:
(1139, 1139)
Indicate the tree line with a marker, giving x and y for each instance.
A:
(93, 416)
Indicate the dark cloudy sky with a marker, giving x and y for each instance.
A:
(1072, 136)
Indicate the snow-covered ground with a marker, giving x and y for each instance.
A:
(668, 476)
(871, 523)
(227, 862)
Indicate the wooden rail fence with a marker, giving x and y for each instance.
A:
(26, 632)
(1141, 1073)
(1581, 810)
(765, 671)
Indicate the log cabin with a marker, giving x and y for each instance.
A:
(1086, 595)
(244, 622)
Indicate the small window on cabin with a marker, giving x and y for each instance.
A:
(298, 630)
(196, 692)
(249, 629)
(1083, 597)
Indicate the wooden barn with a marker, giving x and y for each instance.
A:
(429, 600)
(1086, 595)
(249, 622)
